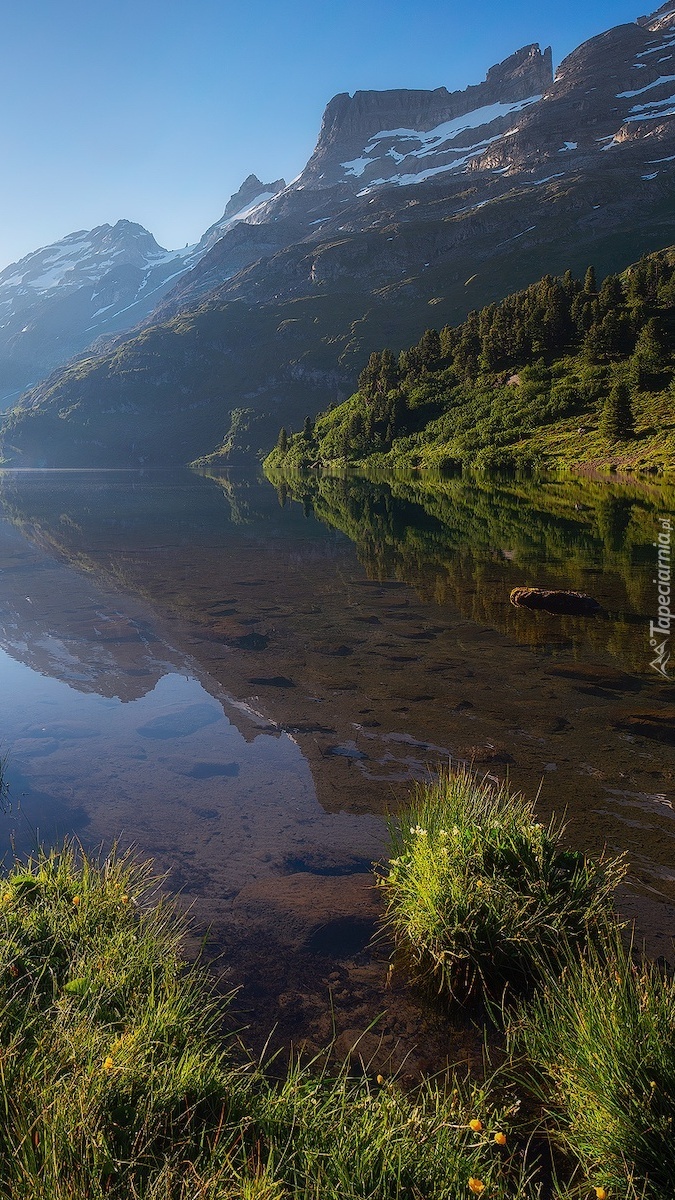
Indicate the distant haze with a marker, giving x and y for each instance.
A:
(157, 112)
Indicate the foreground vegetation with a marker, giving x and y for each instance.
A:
(482, 897)
(563, 372)
(599, 1050)
(118, 1077)
(118, 1080)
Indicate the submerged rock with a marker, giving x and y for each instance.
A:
(576, 604)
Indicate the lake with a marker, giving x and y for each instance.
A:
(242, 681)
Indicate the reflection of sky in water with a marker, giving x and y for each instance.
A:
(169, 772)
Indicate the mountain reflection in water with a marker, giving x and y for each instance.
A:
(242, 681)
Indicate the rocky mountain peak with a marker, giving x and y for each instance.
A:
(405, 135)
(661, 19)
(248, 193)
(240, 206)
(527, 72)
(353, 127)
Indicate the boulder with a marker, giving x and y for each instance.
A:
(576, 604)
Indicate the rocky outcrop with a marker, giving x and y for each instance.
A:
(241, 206)
(353, 126)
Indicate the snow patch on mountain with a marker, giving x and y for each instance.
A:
(431, 141)
(648, 87)
(658, 108)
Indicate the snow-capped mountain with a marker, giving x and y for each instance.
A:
(59, 299)
(404, 182)
(407, 137)
(415, 207)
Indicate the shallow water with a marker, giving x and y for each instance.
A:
(242, 682)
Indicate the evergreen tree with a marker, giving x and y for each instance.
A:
(448, 338)
(590, 283)
(308, 429)
(647, 358)
(570, 285)
(282, 441)
(617, 422)
(611, 332)
(582, 313)
(388, 372)
(430, 349)
(610, 295)
(369, 377)
(594, 344)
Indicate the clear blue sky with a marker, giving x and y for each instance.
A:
(157, 111)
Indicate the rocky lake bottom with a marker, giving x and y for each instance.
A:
(243, 682)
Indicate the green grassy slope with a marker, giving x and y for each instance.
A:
(563, 373)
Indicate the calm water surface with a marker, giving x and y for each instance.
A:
(242, 681)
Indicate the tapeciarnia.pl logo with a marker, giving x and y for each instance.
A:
(659, 630)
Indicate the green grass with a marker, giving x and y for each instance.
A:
(601, 1044)
(112, 1054)
(478, 894)
(117, 1080)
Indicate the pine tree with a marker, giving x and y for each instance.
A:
(570, 285)
(648, 348)
(388, 372)
(594, 344)
(610, 295)
(617, 422)
(590, 284)
(429, 348)
(308, 429)
(282, 441)
(368, 379)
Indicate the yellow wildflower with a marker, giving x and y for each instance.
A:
(380, 1079)
(601, 1193)
(476, 1125)
(500, 1138)
(125, 899)
(108, 1064)
(476, 1185)
(76, 901)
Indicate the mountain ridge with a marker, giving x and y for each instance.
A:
(58, 300)
(280, 313)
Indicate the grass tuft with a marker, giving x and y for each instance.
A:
(601, 1044)
(479, 894)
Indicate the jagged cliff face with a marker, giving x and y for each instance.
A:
(404, 137)
(403, 158)
(414, 208)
